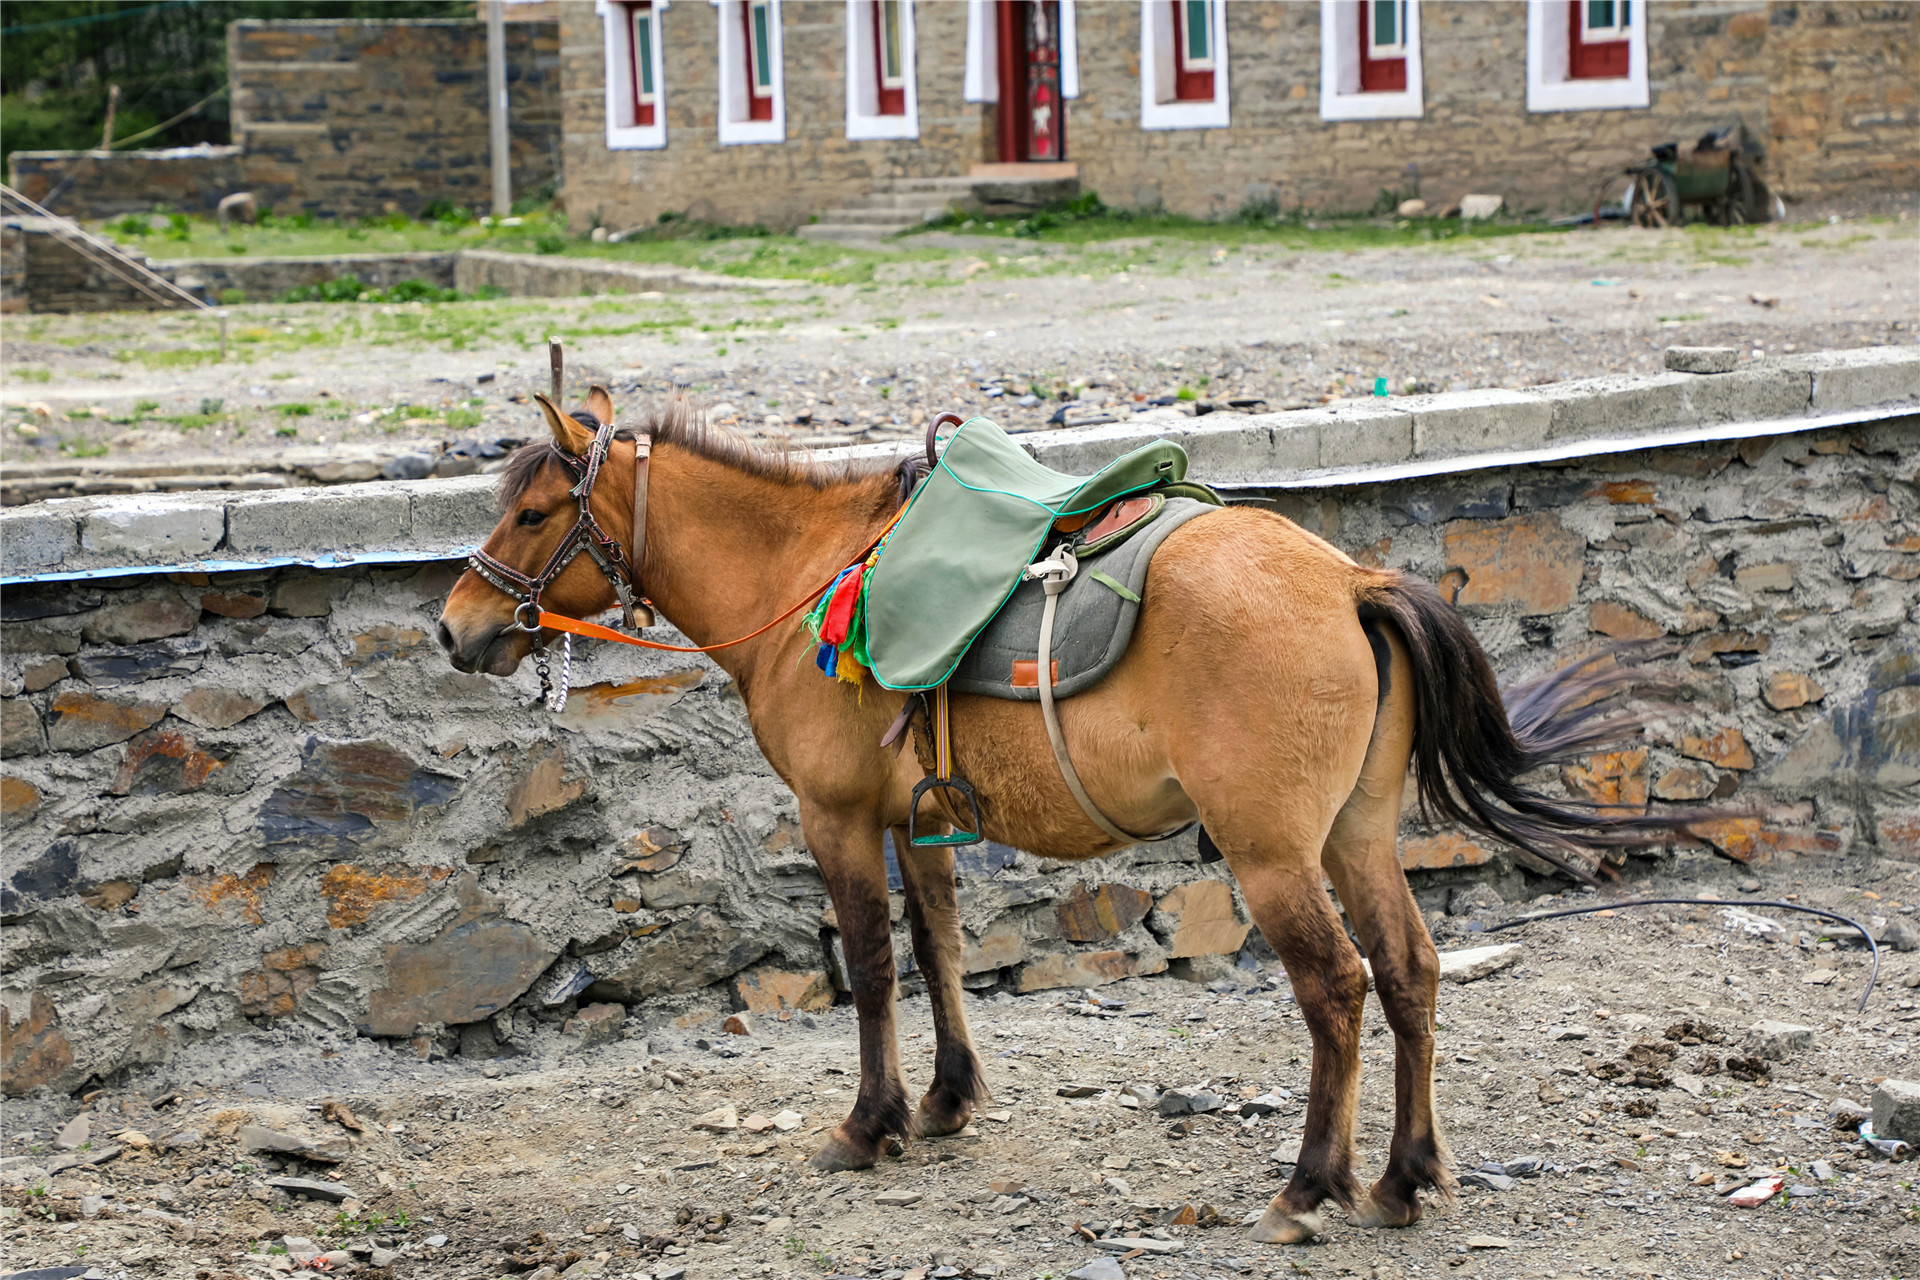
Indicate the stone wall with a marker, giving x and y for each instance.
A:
(261, 794)
(1830, 85)
(51, 275)
(343, 119)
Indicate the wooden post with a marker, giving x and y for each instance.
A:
(223, 337)
(497, 108)
(113, 105)
(559, 362)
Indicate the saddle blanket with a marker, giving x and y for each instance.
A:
(1093, 622)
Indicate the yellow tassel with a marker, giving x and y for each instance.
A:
(851, 672)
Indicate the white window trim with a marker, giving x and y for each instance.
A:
(1617, 31)
(864, 121)
(734, 130)
(981, 79)
(1341, 97)
(622, 134)
(1157, 71)
(1548, 86)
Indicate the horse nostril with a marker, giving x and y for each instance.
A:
(445, 636)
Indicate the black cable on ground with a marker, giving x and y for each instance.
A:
(1873, 975)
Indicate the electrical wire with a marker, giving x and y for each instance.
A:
(1873, 974)
(168, 124)
(88, 19)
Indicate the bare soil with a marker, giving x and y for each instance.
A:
(1016, 328)
(585, 1161)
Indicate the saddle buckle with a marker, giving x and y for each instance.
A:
(959, 786)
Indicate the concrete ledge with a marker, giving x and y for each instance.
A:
(1354, 443)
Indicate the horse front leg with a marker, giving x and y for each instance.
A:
(847, 848)
(933, 912)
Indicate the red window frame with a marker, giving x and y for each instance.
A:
(1191, 83)
(639, 11)
(1608, 59)
(759, 98)
(1382, 75)
(892, 98)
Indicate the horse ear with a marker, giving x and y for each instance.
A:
(600, 403)
(570, 435)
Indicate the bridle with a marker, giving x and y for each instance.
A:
(622, 570)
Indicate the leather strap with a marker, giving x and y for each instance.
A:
(1055, 573)
(637, 540)
(933, 445)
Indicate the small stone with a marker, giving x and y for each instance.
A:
(787, 1121)
(1477, 962)
(1415, 208)
(998, 1117)
(1896, 1110)
(1901, 935)
(1078, 1090)
(1785, 690)
(756, 1123)
(1100, 1269)
(1567, 1033)
(436, 1242)
(330, 1150)
(337, 1192)
(1474, 207)
(1750, 886)
(1145, 1244)
(722, 1119)
(1777, 1040)
(1190, 1101)
(1145, 1093)
(1821, 1170)
(75, 1133)
(898, 1199)
(1117, 1161)
(1119, 1187)
(738, 1024)
(1486, 1242)
(1702, 359)
(1486, 1181)
(1265, 1104)
(1819, 978)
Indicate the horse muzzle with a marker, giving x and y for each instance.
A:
(496, 650)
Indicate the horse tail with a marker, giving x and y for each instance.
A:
(1472, 741)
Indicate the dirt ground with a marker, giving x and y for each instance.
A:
(1027, 331)
(586, 1161)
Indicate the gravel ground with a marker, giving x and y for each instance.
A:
(587, 1161)
(1028, 331)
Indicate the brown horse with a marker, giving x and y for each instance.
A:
(1275, 690)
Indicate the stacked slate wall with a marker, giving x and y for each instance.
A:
(265, 797)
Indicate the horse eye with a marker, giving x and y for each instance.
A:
(530, 517)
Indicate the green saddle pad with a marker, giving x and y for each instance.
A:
(968, 533)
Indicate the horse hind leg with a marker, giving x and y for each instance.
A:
(933, 915)
(1361, 858)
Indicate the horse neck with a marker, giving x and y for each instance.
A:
(728, 551)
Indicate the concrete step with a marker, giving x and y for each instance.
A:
(844, 233)
(903, 185)
(911, 201)
(891, 218)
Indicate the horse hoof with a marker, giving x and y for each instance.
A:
(1278, 1226)
(840, 1155)
(932, 1124)
(1376, 1212)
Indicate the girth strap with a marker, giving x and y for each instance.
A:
(1055, 573)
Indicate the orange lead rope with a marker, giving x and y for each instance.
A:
(560, 622)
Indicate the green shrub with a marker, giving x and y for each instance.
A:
(232, 297)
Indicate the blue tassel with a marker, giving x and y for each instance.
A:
(823, 658)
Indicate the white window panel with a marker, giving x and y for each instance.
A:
(864, 121)
(980, 82)
(1159, 108)
(1551, 88)
(624, 132)
(1341, 97)
(737, 125)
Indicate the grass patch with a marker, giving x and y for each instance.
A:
(33, 375)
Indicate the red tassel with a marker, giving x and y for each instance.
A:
(833, 628)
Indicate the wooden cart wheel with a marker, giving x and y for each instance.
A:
(1656, 199)
(1736, 208)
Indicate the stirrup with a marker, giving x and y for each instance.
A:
(943, 779)
(951, 838)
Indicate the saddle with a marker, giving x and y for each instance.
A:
(984, 513)
(990, 527)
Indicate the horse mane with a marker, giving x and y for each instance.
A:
(678, 423)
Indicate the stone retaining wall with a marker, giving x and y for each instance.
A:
(261, 794)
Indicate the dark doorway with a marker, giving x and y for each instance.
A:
(1032, 114)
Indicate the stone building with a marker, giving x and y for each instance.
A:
(775, 111)
(340, 119)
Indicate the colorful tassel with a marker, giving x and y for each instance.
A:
(844, 595)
